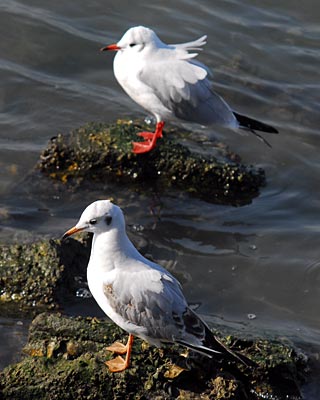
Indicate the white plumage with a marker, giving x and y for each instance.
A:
(167, 81)
(139, 295)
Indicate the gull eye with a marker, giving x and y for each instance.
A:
(108, 219)
(132, 44)
(93, 221)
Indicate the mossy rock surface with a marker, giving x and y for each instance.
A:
(64, 359)
(29, 273)
(101, 152)
(36, 275)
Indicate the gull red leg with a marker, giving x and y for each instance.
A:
(151, 139)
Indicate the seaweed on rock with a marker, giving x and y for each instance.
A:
(65, 360)
(99, 152)
(36, 275)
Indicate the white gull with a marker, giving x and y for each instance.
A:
(139, 295)
(167, 81)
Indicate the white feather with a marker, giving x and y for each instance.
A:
(167, 81)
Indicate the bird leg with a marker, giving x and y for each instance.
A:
(150, 135)
(119, 364)
(150, 139)
(117, 348)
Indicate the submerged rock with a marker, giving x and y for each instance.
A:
(64, 359)
(100, 152)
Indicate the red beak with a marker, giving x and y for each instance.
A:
(111, 47)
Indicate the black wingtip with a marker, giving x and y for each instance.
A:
(253, 124)
(235, 355)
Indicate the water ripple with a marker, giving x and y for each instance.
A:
(58, 82)
(47, 17)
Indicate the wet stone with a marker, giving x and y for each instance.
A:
(36, 276)
(102, 152)
(65, 359)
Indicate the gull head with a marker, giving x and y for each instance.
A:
(100, 216)
(135, 40)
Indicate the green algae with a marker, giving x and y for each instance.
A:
(36, 275)
(65, 359)
(100, 152)
(29, 273)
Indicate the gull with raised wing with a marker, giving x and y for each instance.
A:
(139, 295)
(167, 81)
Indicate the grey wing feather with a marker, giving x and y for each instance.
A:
(203, 106)
(149, 302)
(183, 88)
(153, 300)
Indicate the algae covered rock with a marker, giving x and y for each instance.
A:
(35, 275)
(29, 273)
(65, 360)
(100, 152)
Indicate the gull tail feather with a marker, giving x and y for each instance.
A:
(214, 344)
(199, 338)
(223, 352)
(253, 124)
(233, 355)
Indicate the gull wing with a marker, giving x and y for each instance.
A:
(151, 300)
(182, 86)
(147, 298)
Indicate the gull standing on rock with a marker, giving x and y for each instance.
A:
(139, 295)
(167, 81)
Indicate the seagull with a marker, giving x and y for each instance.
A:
(140, 296)
(167, 81)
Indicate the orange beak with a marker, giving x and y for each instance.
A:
(111, 47)
(71, 232)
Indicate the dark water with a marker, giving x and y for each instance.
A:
(260, 259)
